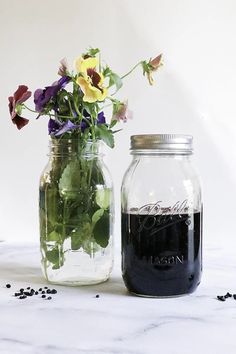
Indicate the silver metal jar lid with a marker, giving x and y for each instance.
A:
(175, 143)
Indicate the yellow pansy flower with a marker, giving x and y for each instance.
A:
(92, 93)
(82, 65)
(89, 80)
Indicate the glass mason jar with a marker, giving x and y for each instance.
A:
(161, 217)
(76, 214)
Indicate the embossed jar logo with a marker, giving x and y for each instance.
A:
(158, 217)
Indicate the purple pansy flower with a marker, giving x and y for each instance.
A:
(101, 118)
(68, 126)
(53, 126)
(43, 96)
(85, 123)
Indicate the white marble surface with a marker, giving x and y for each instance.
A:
(77, 322)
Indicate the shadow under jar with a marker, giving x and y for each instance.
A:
(76, 214)
(161, 217)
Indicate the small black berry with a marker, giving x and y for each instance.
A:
(43, 296)
(36, 293)
(17, 294)
(22, 297)
(40, 289)
(228, 295)
(22, 290)
(43, 292)
(221, 298)
(45, 287)
(49, 298)
(8, 286)
(234, 296)
(97, 296)
(28, 288)
(48, 291)
(53, 291)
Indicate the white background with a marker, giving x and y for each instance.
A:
(194, 92)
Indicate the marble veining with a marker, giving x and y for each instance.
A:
(75, 321)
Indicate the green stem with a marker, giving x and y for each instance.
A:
(70, 107)
(77, 110)
(60, 116)
(29, 109)
(128, 73)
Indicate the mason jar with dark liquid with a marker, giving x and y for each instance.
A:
(161, 217)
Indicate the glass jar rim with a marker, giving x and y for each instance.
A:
(73, 146)
(161, 144)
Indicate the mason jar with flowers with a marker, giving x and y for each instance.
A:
(76, 203)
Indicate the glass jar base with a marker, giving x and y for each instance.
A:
(79, 282)
(160, 296)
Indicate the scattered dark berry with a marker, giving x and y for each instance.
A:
(49, 298)
(28, 288)
(17, 294)
(36, 293)
(45, 287)
(43, 296)
(8, 286)
(228, 295)
(234, 296)
(26, 293)
(40, 289)
(22, 297)
(48, 291)
(97, 296)
(53, 291)
(43, 292)
(22, 290)
(221, 298)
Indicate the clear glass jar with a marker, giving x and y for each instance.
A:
(76, 214)
(161, 217)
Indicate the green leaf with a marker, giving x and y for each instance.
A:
(90, 247)
(54, 236)
(114, 79)
(103, 198)
(113, 123)
(117, 106)
(76, 240)
(116, 131)
(50, 209)
(101, 230)
(105, 134)
(82, 233)
(53, 255)
(145, 67)
(69, 183)
(93, 51)
(97, 215)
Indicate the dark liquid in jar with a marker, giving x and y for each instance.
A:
(161, 254)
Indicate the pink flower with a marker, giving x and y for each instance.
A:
(15, 106)
(156, 62)
(63, 69)
(121, 111)
(153, 65)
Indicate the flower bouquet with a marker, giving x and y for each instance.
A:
(76, 196)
